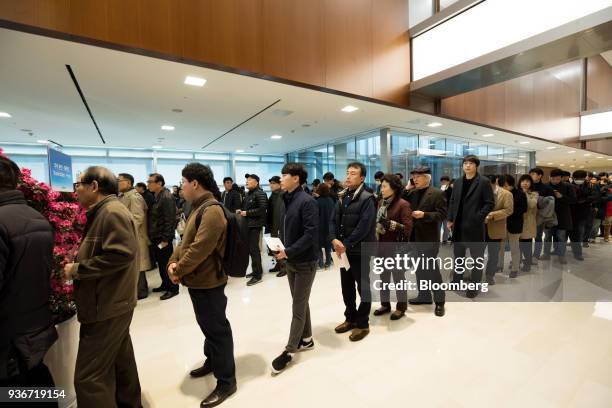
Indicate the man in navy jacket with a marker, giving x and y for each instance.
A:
(300, 237)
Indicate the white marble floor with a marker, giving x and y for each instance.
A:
(480, 354)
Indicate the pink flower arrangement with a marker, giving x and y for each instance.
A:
(68, 220)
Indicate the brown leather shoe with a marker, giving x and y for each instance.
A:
(344, 327)
(358, 334)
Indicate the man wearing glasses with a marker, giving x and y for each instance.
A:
(138, 207)
(162, 222)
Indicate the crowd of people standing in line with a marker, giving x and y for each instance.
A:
(477, 213)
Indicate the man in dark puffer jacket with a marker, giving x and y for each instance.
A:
(254, 208)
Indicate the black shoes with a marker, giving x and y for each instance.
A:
(219, 395)
(579, 258)
(249, 275)
(202, 371)
(398, 314)
(140, 297)
(254, 281)
(471, 294)
(281, 362)
(513, 274)
(439, 309)
(545, 258)
(381, 311)
(168, 295)
(281, 274)
(562, 260)
(160, 289)
(305, 346)
(418, 301)
(490, 280)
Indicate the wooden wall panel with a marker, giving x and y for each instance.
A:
(391, 51)
(599, 83)
(544, 104)
(356, 46)
(348, 46)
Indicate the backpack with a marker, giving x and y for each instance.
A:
(236, 259)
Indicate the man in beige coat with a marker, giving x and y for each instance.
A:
(496, 227)
(105, 275)
(138, 207)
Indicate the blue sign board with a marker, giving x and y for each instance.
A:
(60, 170)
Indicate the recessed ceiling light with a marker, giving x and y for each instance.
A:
(276, 137)
(572, 151)
(156, 147)
(194, 81)
(551, 147)
(571, 165)
(349, 108)
(434, 124)
(609, 159)
(522, 156)
(42, 141)
(240, 151)
(582, 167)
(488, 135)
(550, 163)
(5, 115)
(524, 142)
(600, 157)
(587, 154)
(167, 127)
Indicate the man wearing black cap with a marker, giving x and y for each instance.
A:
(254, 208)
(470, 203)
(428, 212)
(273, 222)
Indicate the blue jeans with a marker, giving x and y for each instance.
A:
(537, 250)
(560, 238)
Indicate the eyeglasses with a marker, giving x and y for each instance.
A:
(77, 184)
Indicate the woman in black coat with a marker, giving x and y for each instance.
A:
(326, 208)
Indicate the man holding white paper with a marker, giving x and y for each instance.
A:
(354, 222)
(300, 237)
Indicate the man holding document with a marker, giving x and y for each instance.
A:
(354, 222)
(299, 236)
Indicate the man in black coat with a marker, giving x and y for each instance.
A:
(273, 217)
(428, 212)
(582, 211)
(543, 190)
(26, 253)
(162, 224)
(254, 208)
(565, 196)
(354, 222)
(231, 198)
(470, 203)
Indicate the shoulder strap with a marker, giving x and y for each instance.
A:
(200, 213)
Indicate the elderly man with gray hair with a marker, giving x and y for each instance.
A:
(105, 275)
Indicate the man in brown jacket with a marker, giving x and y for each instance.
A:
(105, 275)
(496, 226)
(198, 264)
(138, 208)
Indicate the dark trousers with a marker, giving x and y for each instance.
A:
(255, 252)
(106, 374)
(526, 248)
(349, 278)
(430, 272)
(576, 236)
(162, 256)
(328, 260)
(143, 286)
(37, 376)
(537, 248)
(476, 251)
(300, 277)
(209, 306)
(400, 295)
(588, 226)
(560, 238)
(492, 256)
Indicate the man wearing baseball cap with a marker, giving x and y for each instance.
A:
(254, 209)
